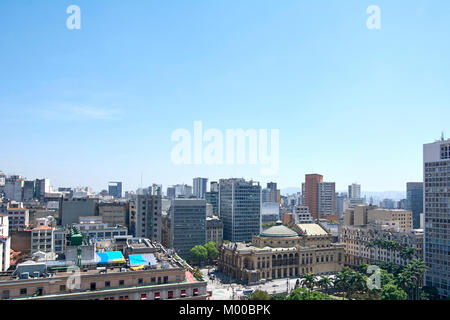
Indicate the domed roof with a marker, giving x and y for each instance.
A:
(279, 231)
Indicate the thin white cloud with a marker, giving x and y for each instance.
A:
(93, 113)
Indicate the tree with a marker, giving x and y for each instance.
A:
(259, 295)
(309, 281)
(392, 292)
(342, 281)
(303, 294)
(430, 293)
(211, 248)
(324, 283)
(199, 254)
(278, 296)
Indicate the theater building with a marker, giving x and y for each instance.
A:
(282, 252)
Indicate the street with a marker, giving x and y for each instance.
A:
(223, 290)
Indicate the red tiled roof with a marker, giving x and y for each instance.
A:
(17, 209)
(43, 228)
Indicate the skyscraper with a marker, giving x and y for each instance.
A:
(148, 216)
(354, 190)
(240, 209)
(326, 198)
(200, 185)
(311, 193)
(115, 189)
(274, 192)
(188, 225)
(414, 201)
(436, 166)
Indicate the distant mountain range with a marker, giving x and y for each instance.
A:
(394, 195)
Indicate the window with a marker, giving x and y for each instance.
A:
(183, 293)
(121, 282)
(140, 281)
(107, 284)
(62, 288)
(170, 295)
(93, 286)
(143, 296)
(157, 296)
(23, 291)
(195, 292)
(5, 294)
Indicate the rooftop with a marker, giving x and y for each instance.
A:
(279, 231)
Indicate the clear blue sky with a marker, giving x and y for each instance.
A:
(83, 107)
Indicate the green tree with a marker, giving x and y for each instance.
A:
(199, 254)
(342, 282)
(304, 294)
(259, 295)
(392, 292)
(324, 283)
(309, 281)
(411, 278)
(278, 296)
(211, 248)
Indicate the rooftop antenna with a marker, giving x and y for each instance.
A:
(442, 136)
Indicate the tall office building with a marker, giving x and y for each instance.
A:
(42, 186)
(240, 209)
(311, 193)
(148, 216)
(14, 188)
(414, 201)
(326, 198)
(265, 195)
(29, 190)
(274, 192)
(188, 225)
(214, 187)
(212, 198)
(115, 189)
(171, 192)
(436, 166)
(200, 185)
(354, 191)
(183, 191)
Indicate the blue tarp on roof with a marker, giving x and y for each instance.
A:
(142, 259)
(109, 257)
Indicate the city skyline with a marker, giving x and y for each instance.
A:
(100, 104)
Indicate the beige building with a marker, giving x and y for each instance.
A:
(42, 239)
(362, 215)
(281, 252)
(357, 238)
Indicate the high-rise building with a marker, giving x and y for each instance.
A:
(188, 225)
(265, 195)
(115, 189)
(240, 209)
(148, 217)
(14, 188)
(436, 163)
(183, 191)
(326, 198)
(214, 186)
(354, 190)
(5, 243)
(200, 185)
(29, 192)
(414, 201)
(274, 192)
(311, 193)
(212, 198)
(42, 186)
(171, 192)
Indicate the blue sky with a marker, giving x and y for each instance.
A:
(83, 107)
